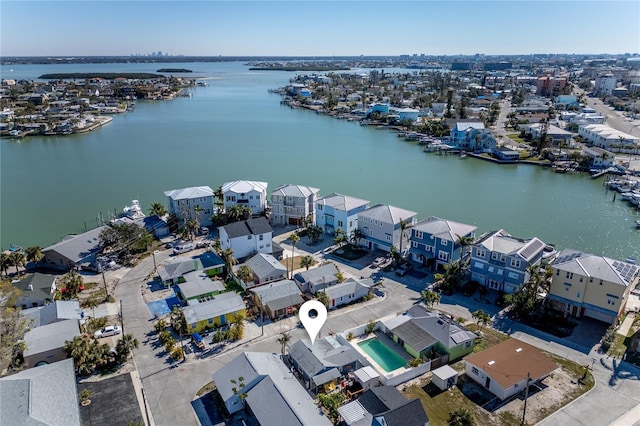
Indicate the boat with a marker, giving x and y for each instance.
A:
(638, 223)
(549, 253)
(463, 155)
(133, 211)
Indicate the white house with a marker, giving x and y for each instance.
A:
(599, 158)
(610, 139)
(335, 211)
(380, 226)
(348, 291)
(249, 193)
(291, 204)
(191, 203)
(247, 237)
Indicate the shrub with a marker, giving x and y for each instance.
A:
(415, 362)
(177, 354)
(350, 336)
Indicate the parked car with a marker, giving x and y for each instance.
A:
(197, 341)
(183, 248)
(111, 330)
(404, 269)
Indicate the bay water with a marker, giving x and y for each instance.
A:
(235, 129)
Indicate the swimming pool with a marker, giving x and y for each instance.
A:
(382, 354)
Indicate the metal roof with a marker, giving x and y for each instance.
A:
(600, 267)
(198, 283)
(388, 214)
(222, 304)
(244, 186)
(190, 193)
(78, 247)
(51, 336)
(342, 202)
(444, 229)
(290, 190)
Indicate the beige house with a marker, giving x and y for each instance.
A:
(591, 286)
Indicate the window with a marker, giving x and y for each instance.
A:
(340, 224)
(444, 242)
(415, 245)
(249, 236)
(443, 255)
(388, 237)
(557, 272)
(515, 263)
(494, 256)
(210, 321)
(193, 325)
(467, 344)
(261, 237)
(569, 275)
(319, 206)
(418, 234)
(480, 253)
(474, 370)
(578, 294)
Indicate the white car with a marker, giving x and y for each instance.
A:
(111, 330)
(182, 248)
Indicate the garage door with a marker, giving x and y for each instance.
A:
(608, 318)
(294, 221)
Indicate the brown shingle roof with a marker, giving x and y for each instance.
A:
(509, 362)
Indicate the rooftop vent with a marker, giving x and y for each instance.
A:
(491, 362)
(519, 350)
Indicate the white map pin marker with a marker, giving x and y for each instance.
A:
(313, 315)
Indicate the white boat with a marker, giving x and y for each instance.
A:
(549, 253)
(638, 223)
(133, 211)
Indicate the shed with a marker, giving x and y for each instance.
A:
(444, 377)
(367, 377)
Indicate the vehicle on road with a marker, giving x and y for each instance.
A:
(183, 248)
(404, 269)
(110, 330)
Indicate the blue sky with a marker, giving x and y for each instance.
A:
(324, 28)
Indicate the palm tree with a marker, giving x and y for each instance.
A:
(482, 318)
(294, 238)
(323, 298)
(71, 281)
(191, 227)
(307, 261)
(314, 233)
(429, 298)
(124, 347)
(229, 260)
(461, 417)
(245, 274)
(464, 242)
(197, 209)
(34, 254)
(18, 259)
(404, 225)
(237, 213)
(339, 237)
(355, 237)
(157, 209)
(284, 340)
(219, 199)
(5, 262)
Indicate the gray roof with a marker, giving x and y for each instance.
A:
(58, 310)
(445, 372)
(44, 395)
(283, 289)
(190, 193)
(243, 186)
(50, 336)
(178, 267)
(414, 336)
(198, 283)
(323, 273)
(269, 406)
(342, 202)
(599, 267)
(253, 226)
(78, 247)
(323, 355)
(326, 376)
(209, 259)
(446, 330)
(265, 265)
(222, 304)
(388, 214)
(444, 229)
(350, 286)
(255, 367)
(502, 242)
(37, 286)
(299, 191)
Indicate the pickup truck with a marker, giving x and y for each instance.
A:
(404, 269)
(197, 341)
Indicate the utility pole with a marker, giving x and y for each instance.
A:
(526, 395)
(104, 281)
(155, 267)
(121, 318)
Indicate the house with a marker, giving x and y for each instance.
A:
(472, 135)
(503, 369)
(317, 279)
(293, 205)
(272, 395)
(586, 285)
(423, 333)
(436, 240)
(603, 136)
(278, 299)
(247, 193)
(381, 227)
(198, 287)
(384, 406)
(57, 311)
(265, 268)
(214, 313)
(173, 271)
(324, 362)
(45, 345)
(195, 202)
(74, 250)
(211, 263)
(599, 158)
(37, 290)
(505, 154)
(500, 261)
(349, 291)
(339, 211)
(46, 395)
(247, 237)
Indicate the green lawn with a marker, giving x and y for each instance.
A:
(622, 344)
(516, 138)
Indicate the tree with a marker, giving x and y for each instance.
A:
(219, 199)
(237, 326)
(430, 298)
(177, 354)
(331, 402)
(160, 326)
(157, 209)
(314, 233)
(284, 340)
(294, 238)
(5, 263)
(404, 225)
(322, 297)
(482, 318)
(236, 213)
(191, 227)
(72, 283)
(307, 261)
(124, 347)
(464, 242)
(339, 237)
(395, 255)
(355, 237)
(18, 259)
(34, 254)
(125, 239)
(228, 259)
(13, 326)
(198, 210)
(245, 274)
(178, 321)
(461, 417)
(371, 325)
(88, 355)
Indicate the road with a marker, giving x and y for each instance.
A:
(169, 388)
(612, 118)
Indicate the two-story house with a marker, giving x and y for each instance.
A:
(293, 204)
(247, 237)
(438, 240)
(249, 193)
(381, 227)
(500, 261)
(586, 285)
(339, 211)
(191, 203)
(472, 136)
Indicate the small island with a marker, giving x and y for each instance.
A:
(103, 75)
(165, 70)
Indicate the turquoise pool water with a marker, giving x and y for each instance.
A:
(382, 354)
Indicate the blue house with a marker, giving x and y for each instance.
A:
(339, 211)
(382, 108)
(472, 136)
(500, 261)
(435, 240)
(381, 227)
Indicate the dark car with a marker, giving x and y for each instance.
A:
(404, 269)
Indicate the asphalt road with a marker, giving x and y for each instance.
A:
(169, 388)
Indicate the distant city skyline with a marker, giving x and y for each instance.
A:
(317, 28)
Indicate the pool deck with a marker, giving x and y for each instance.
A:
(389, 343)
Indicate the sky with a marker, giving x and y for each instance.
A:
(317, 28)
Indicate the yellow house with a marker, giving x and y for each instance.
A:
(214, 313)
(592, 286)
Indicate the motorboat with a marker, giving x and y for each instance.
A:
(549, 253)
(133, 211)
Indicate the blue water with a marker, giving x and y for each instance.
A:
(382, 354)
